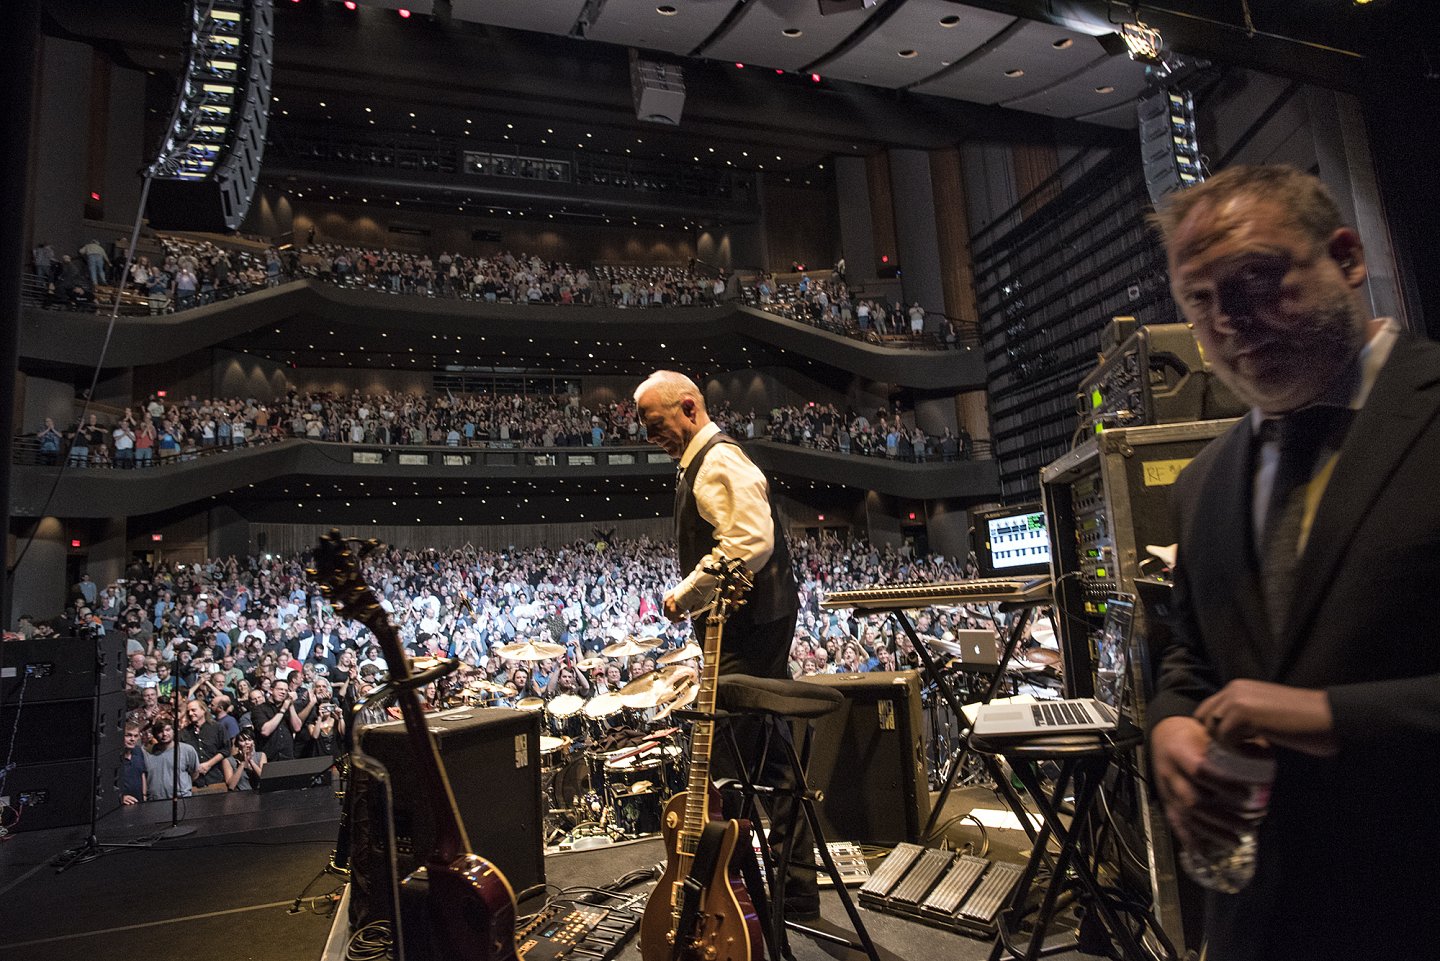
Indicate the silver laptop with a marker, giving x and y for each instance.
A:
(978, 651)
(1080, 714)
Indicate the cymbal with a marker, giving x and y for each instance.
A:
(656, 687)
(591, 663)
(486, 686)
(944, 646)
(629, 647)
(685, 653)
(530, 650)
(684, 696)
(530, 704)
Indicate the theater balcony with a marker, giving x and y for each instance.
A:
(308, 322)
(300, 477)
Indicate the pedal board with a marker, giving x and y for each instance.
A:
(582, 932)
(849, 860)
(958, 892)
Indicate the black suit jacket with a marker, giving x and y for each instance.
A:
(1348, 851)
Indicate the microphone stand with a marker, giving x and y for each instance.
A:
(176, 829)
(93, 847)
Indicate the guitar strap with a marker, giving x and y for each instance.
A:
(702, 869)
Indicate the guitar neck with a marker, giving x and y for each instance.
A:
(450, 838)
(702, 736)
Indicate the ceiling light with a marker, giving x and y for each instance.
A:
(1017, 72)
(1105, 89)
(792, 31)
(907, 54)
(1142, 41)
(949, 21)
(1064, 43)
(666, 11)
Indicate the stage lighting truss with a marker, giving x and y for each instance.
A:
(217, 84)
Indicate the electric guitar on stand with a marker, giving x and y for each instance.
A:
(456, 905)
(699, 910)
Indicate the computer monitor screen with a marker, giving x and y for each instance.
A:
(1013, 541)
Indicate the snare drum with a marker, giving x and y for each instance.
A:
(658, 768)
(563, 714)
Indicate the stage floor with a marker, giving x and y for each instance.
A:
(227, 891)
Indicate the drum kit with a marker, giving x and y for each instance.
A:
(610, 762)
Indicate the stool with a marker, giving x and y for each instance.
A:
(782, 702)
(1083, 760)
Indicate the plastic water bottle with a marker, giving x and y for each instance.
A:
(1223, 867)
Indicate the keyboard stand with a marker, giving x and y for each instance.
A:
(1024, 611)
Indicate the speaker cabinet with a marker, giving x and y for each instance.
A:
(868, 759)
(492, 757)
(60, 668)
(58, 794)
(49, 731)
(301, 772)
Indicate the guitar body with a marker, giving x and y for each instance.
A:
(464, 909)
(726, 924)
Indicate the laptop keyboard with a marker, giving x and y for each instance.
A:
(1060, 714)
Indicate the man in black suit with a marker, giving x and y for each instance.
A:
(1307, 581)
(722, 509)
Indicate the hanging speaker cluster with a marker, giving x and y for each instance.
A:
(1169, 146)
(659, 90)
(205, 171)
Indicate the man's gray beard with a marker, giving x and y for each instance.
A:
(1338, 332)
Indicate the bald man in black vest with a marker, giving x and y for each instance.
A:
(722, 509)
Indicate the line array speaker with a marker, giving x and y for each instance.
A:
(207, 167)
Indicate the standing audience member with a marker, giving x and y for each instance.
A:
(160, 764)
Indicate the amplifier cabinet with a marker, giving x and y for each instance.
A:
(868, 759)
(492, 758)
(61, 668)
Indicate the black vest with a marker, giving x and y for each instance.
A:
(775, 595)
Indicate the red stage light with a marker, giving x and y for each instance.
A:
(778, 70)
(157, 538)
(75, 542)
(404, 14)
(94, 195)
(161, 393)
(820, 516)
(739, 66)
(350, 4)
(815, 77)
(884, 258)
(912, 515)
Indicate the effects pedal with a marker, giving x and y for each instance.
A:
(960, 893)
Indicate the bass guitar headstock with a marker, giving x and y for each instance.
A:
(337, 571)
(733, 582)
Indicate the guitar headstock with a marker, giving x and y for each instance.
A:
(733, 582)
(337, 571)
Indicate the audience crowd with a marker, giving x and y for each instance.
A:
(162, 430)
(187, 274)
(255, 665)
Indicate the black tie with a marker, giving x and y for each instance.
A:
(681, 489)
(1302, 435)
